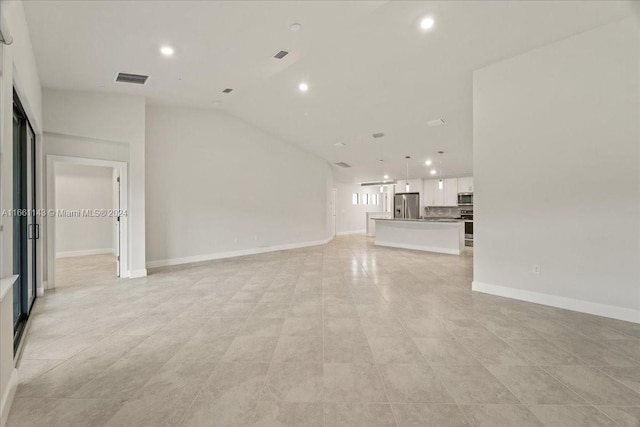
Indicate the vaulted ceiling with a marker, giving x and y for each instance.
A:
(369, 66)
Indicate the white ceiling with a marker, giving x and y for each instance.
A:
(369, 67)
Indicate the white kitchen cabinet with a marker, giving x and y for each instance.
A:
(433, 196)
(465, 184)
(450, 192)
(447, 196)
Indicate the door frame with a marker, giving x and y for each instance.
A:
(50, 230)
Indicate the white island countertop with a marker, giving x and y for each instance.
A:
(443, 235)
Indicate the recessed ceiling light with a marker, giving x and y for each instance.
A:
(303, 87)
(386, 177)
(295, 27)
(427, 23)
(428, 162)
(436, 122)
(378, 135)
(433, 172)
(227, 90)
(167, 50)
(339, 144)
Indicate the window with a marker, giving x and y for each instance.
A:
(354, 198)
(365, 199)
(373, 199)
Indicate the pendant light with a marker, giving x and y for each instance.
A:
(440, 182)
(407, 187)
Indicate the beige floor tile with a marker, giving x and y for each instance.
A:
(413, 383)
(429, 415)
(236, 381)
(298, 349)
(360, 382)
(256, 326)
(494, 351)
(251, 349)
(222, 326)
(225, 413)
(571, 416)
(626, 416)
(544, 352)
(347, 349)
(394, 350)
(288, 414)
(358, 414)
(62, 412)
(501, 415)
(445, 351)
(302, 326)
(595, 386)
(474, 385)
(204, 348)
(629, 376)
(533, 385)
(294, 382)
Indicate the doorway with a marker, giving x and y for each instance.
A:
(26, 229)
(87, 235)
(87, 238)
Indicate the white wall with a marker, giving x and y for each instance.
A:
(17, 70)
(217, 186)
(107, 127)
(351, 218)
(556, 170)
(79, 187)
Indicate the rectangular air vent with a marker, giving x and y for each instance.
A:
(343, 165)
(227, 90)
(137, 79)
(281, 54)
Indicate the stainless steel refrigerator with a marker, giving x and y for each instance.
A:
(406, 205)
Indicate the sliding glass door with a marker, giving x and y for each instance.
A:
(25, 227)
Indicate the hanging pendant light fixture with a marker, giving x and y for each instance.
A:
(407, 187)
(440, 182)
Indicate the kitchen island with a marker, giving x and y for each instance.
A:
(433, 235)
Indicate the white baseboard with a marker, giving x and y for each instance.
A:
(419, 248)
(134, 274)
(611, 311)
(86, 252)
(346, 233)
(7, 397)
(242, 252)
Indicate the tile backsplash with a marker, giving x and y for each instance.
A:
(442, 211)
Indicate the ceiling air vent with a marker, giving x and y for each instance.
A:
(227, 90)
(343, 165)
(378, 135)
(137, 79)
(281, 54)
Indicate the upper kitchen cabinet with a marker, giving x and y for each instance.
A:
(451, 192)
(447, 196)
(465, 184)
(433, 196)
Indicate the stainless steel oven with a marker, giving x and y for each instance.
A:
(465, 199)
(467, 215)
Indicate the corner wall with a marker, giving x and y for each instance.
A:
(557, 174)
(219, 187)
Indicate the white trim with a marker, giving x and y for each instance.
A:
(7, 399)
(134, 274)
(611, 311)
(346, 233)
(6, 285)
(49, 232)
(70, 254)
(242, 252)
(419, 248)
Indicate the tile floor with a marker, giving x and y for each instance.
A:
(84, 270)
(345, 334)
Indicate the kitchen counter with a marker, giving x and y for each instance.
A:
(421, 219)
(443, 235)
